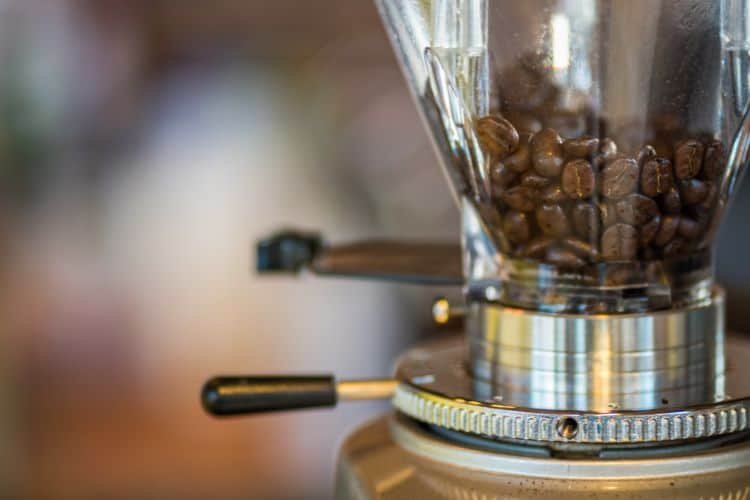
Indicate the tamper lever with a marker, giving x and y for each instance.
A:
(240, 395)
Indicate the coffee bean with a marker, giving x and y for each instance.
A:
(552, 220)
(619, 242)
(516, 227)
(676, 247)
(578, 179)
(619, 178)
(581, 147)
(520, 160)
(707, 205)
(498, 136)
(693, 191)
(553, 194)
(537, 247)
(714, 160)
(546, 153)
(585, 218)
(688, 157)
(501, 177)
(667, 230)
(646, 153)
(649, 230)
(563, 258)
(636, 209)
(689, 228)
(580, 248)
(607, 213)
(520, 198)
(656, 177)
(607, 154)
(533, 180)
(671, 202)
(607, 148)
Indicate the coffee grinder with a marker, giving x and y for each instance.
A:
(592, 147)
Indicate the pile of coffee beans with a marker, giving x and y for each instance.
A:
(577, 201)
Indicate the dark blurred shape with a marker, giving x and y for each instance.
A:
(225, 396)
(287, 251)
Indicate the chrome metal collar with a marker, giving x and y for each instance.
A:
(616, 379)
(597, 362)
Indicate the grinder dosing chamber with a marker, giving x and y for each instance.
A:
(593, 147)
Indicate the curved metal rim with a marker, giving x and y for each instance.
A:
(502, 422)
(717, 294)
(422, 443)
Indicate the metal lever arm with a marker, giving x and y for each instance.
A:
(241, 395)
(411, 262)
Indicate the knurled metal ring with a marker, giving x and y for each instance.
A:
(500, 422)
(440, 396)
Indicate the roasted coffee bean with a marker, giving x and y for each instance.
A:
(533, 180)
(636, 209)
(707, 205)
(537, 247)
(619, 178)
(693, 191)
(520, 198)
(498, 136)
(547, 153)
(688, 157)
(714, 160)
(581, 147)
(580, 248)
(553, 194)
(578, 179)
(667, 230)
(619, 242)
(552, 220)
(607, 213)
(516, 227)
(520, 160)
(563, 258)
(649, 230)
(501, 178)
(585, 218)
(689, 228)
(646, 153)
(656, 177)
(607, 154)
(607, 148)
(670, 202)
(677, 247)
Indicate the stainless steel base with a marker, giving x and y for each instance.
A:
(395, 458)
(604, 362)
(437, 389)
(594, 380)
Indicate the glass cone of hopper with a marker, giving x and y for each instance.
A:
(592, 146)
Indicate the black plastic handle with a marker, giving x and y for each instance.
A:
(223, 396)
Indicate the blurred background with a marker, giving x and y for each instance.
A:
(144, 147)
